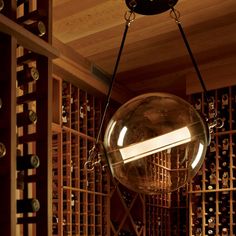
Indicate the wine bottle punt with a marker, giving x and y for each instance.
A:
(26, 118)
(27, 205)
(224, 231)
(29, 161)
(210, 232)
(38, 28)
(27, 75)
(3, 150)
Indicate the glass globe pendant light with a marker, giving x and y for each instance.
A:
(155, 142)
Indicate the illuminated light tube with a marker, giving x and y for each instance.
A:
(154, 145)
(198, 156)
(121, 136)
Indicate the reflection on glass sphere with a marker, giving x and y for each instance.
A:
(155, 143)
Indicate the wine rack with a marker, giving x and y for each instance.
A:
(138, 214)
(80, 197)
(25, 89)
(158, 214)
(127, 211)
(178, 212)
(212, 191)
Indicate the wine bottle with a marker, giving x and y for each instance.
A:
(198, 231)
(81, 112)
(27, 75)
(225, 147)
(55, 224)
(26, 118)
(199, 212)
(3, 150)
(212, 147)
(211, 222)
(138, 224)
(64, 115)
(197, 222)
(224, 101)
(29, 161)
(37, 27)
(225, 179)
(211, 198)
(212, 167)
(211, 210)
(223, 111)
(212, 181)
(64, 222)
(0, 103)
(88, 107)
(27, 205)
(72, 200)
(26, 98)
(224, 231)
(211, 205)
(72, 164)
(224, 163)
(211, 112)
(1, 4)
(198, 104)
(54, 219)
(211, 231)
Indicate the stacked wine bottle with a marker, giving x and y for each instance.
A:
(212, 190)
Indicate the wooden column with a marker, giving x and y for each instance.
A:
(8, 135)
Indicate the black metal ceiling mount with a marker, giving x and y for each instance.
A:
(150, 7)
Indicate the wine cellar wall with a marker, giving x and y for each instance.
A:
(212, 192)
(25, 91)
(80, 197)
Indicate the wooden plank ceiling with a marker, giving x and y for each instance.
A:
(154, 56)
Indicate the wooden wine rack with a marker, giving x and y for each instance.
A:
(20, 50)
(127, 211)
(80, 197)
(158, 216)
(179, 212)
(213, 190)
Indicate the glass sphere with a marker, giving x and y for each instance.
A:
(155, 143)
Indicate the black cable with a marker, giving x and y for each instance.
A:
(108, 98)
(190, 54)
(193, 59)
